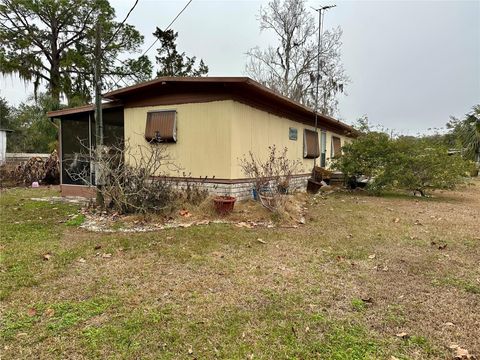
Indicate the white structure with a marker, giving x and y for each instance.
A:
(3, 145)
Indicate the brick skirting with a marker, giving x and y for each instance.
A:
(242, 189)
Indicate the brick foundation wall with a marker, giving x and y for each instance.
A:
(242, 189)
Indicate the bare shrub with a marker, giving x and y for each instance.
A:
(133, 179)
(272, 177)
(192, 191)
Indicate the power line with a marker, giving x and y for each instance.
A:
(121, 24)
(168, 27)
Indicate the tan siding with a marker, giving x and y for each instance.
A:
(203, 136)
(254, 130)
(211, 137)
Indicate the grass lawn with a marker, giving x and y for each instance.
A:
(361, 270)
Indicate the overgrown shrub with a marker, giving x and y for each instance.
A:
(408, 163)
(419, 166)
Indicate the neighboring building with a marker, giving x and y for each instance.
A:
(3, 145)
(208, 123)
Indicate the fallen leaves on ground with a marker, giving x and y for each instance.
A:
(185, 213)
(461, 353)
(243, 224)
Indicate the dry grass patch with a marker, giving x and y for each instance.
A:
(340, 287)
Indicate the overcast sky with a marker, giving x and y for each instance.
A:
(412, 63)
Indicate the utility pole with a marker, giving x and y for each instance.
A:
(319, 49)
(98, 113)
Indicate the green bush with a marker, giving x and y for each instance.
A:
(409, 163)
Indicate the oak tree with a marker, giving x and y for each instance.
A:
(52, 42)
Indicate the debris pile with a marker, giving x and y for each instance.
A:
(35, 169)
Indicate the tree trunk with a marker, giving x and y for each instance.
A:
(54, 83)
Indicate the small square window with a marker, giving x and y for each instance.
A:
(161, 126)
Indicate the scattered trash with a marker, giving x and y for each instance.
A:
(261, 241)
(372, 256)
(402, 335)
(47, 256)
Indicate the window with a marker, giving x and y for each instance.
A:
(292, 133)
(336, 146)
(161, 126)
(323, 158)
(311, 148)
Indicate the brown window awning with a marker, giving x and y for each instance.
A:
(311, 148)
(336, 146)
(161, 126)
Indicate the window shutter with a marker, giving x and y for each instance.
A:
(311, 148)
(337, 146)
(161, 126)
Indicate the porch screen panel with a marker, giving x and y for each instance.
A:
(161, 126)
(336, 146)
(75, 152)
(311, 148)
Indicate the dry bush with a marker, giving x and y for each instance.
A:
(271, 177)
(133, 179)
(192, 192)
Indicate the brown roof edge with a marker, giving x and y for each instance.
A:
(235, 80)
(328, 118)
(199, 79)
(82, 109)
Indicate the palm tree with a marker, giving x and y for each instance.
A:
(471, 134)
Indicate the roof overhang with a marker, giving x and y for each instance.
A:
(82, 109)
(237, 88)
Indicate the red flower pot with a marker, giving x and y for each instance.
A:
(224, 204)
